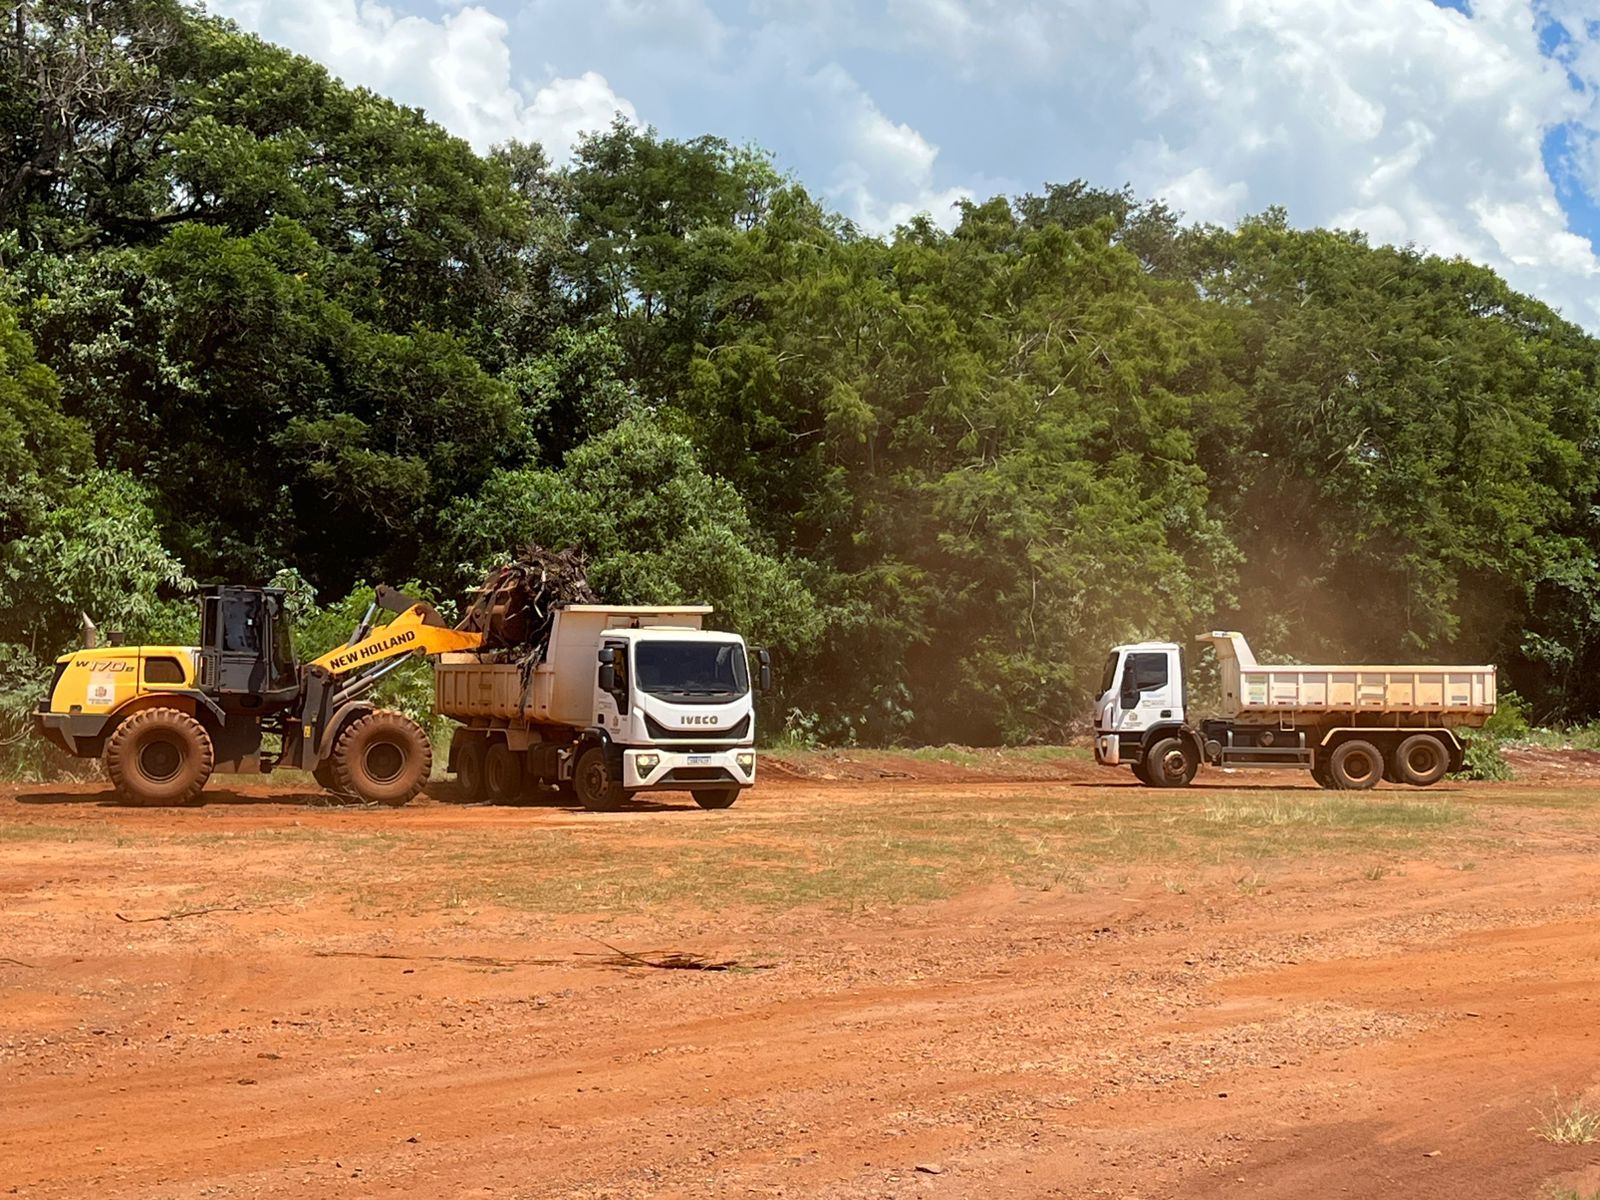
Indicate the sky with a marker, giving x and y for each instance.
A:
(1464, 127)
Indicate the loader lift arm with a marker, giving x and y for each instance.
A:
(336, 682)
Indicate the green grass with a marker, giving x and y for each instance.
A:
(1561, 737)
(845, 856)
(915, 851)
(1573, 1122)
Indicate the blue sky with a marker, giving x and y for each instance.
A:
(1467, 127)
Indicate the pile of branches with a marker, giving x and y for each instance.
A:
(516, 605)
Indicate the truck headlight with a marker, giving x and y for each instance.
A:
(746, 760)
(647, 763)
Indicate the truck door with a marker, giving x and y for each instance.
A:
(1150, 688)
(611, 704)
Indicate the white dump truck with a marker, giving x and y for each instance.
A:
(1350, 726)
(624, 699)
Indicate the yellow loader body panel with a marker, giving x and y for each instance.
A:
(103, 680)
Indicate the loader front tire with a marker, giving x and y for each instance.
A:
(159, 756)
(382, 758)
(323, 774)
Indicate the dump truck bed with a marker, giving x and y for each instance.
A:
(1457, 695)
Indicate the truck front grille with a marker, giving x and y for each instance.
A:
(700, 733)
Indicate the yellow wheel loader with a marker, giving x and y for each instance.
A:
(165, 717)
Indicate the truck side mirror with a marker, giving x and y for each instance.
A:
(764, 659)
(1130, 694)
(608, 677)
(608, 657)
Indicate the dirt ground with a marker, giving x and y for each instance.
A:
(946, 977)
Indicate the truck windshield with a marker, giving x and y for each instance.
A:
(692, 672)
(1110, 673)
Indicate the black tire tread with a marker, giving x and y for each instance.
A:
(128, 732)
(347, 774)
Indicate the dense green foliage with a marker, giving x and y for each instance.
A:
(255, 320)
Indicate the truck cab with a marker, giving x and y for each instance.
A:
(619, 699)
(1141, 709)
(677, 704)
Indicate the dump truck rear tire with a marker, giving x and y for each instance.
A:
(1355, 766)
(382, 758)
(471, 748)
(1421, 760)
(592, 783)
(159, 756)
(502, 774)
(715, 797)
(1170, 763)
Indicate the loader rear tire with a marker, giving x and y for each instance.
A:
(382, 758)
(592, 783)
(1421, 760)
(502, 774)
(159, 756)
(1355, 766)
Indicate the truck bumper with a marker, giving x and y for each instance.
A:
(642, 769)
(1107, 749)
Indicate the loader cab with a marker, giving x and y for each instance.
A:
(246, 652)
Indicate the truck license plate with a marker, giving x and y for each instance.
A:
(699, 760)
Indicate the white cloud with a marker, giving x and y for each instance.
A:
(886, 173)
(1414, 122)
(456, 68)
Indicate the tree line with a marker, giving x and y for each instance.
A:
(257, 325)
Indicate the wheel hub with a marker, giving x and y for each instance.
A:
(384, 762)
(160, 760)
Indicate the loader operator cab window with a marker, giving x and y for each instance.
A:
(241, 625)
(283, 663)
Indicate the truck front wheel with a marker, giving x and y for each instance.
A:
(715, 797)
(592, 781)
(1355, 766)
(382, 758)
(159, 756)
(1170, 762)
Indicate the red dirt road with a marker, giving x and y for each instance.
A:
(371, 1012)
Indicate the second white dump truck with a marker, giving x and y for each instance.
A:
(624, 699)
(1349, 725)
